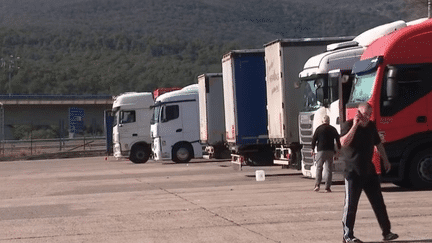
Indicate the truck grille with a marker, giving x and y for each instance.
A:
(306, 127)
(306, 134)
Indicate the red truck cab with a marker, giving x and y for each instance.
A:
(394, 75)
(160, 91)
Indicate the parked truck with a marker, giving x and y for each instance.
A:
(245, 107)
(322, 92)
(131, 126)
(212, 115)
(160, 91)
(175, 125)
(394, 77)
(284, 59)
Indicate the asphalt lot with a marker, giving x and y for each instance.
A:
(106, 200)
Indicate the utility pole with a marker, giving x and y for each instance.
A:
(429, 9)
(10, 63)
(2, 136)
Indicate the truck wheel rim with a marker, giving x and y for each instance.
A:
(140, 155)
(425, 169)
(182, 154)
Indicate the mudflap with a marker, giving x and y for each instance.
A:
(237, 162)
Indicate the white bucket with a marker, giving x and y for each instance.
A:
(259, 175)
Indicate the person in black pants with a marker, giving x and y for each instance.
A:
(358, 138)
(325, 135)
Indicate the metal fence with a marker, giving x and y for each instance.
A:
(40, 148)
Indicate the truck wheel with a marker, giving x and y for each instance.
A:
(182, 153)
(139, 154)
(420, 172)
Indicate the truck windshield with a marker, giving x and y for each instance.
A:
(362, 88)
(310, 97)
(156, 114)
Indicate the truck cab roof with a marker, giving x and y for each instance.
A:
(343, 55)
(178, 95)
(411, 44)
(310, 41)
(132, 100)
(339, 59)
(367, 37)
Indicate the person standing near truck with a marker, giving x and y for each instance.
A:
(358, 138)
(325, 135)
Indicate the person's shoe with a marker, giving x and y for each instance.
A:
(328, 190)
(390, 236)
(316, 189)
(351, 240)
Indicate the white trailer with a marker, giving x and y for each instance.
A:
(322, 92)
(212, 115)
(131, 126)
(175, 126)
(284, 59)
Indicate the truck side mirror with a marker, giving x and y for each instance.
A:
(392, 90)
(320, 94)
(319, 83)
(326, 102)
(345, 78)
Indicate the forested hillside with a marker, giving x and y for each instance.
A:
(111, 46)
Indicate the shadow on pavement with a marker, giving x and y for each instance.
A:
(196, 162)
(276, 175)
(340, 183)
(401, 241)
(404, 189)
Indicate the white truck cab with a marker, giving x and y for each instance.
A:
(175, 126)
(131, 126)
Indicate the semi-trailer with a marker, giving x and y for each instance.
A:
(212, 115)
(245, 107)
(284, 59)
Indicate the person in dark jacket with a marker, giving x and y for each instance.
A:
(324, 138)
(359, 136)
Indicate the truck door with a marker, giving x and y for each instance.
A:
(190, 117)
(404, 101)
(429, 108)
(172, 126)
(127, 127)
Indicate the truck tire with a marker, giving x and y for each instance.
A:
(420, 171)
(140, 154)
(182, 153)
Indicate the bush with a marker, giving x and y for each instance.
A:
(23, 132)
